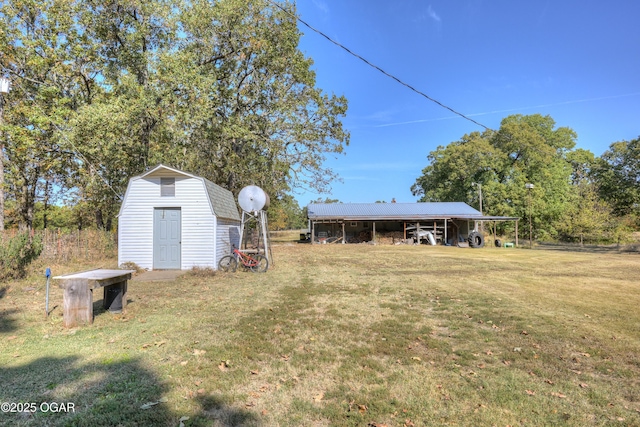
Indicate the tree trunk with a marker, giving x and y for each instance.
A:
(99, 219)
(28, 198)
(1, 165)
(46, 205)
(1, 183)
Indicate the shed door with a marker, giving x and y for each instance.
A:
(166, 238)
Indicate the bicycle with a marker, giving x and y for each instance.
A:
(257, 263)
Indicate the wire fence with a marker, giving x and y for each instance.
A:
(64, 245)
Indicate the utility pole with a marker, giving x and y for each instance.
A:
(5, 86)
(477, 184)
(529, 187)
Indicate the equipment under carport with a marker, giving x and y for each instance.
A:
(475, 239)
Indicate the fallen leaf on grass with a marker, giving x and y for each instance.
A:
(159, 343)
(254, 372)
(146, 345)
(583, 385)
(416, 358)
(548, 382)
(182, 420)
(530, 392)
(197, 352)
(362, 408)
(377, 425)
(318, 397)
(149, 405)
(12, 337)
(408, 423)
(560, 395)
(224, 365)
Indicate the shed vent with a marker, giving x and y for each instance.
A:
(167, 187)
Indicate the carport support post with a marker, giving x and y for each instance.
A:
(344, 239)
(516, 233)
(313, 226)
(445, 231)
(373, 238)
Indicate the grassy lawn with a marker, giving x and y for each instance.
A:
(341, 335)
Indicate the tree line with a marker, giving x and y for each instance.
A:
(575, 195)
(101, 90)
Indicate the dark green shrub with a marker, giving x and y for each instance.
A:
(17, 253)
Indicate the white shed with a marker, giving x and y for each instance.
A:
(170, 219)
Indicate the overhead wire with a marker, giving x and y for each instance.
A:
(369, 63)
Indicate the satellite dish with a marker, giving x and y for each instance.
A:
(253, 198)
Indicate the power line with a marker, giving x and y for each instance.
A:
(377, 67)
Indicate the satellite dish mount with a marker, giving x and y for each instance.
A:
(254, 202)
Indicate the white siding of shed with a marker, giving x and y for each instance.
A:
(227, 236)
(135, 228)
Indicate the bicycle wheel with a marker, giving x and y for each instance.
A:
(261, 265)
(228, 263)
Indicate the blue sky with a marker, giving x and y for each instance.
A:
(575, 60)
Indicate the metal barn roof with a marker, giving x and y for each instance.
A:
(392, 211)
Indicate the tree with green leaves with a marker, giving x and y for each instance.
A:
(617, 174)
(285, 213)
(38, 43)
(108, 88)
(526, 149)
(251, 111)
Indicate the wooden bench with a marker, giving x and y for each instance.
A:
(78, 293)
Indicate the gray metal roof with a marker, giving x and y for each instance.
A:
(392, 211)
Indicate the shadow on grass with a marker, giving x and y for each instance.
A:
(7, 321)
(596, 249)
(3, 291)
(215, 410)
(113, 392)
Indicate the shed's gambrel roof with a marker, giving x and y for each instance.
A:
(221, 200)
(395, 211)
(224, 205)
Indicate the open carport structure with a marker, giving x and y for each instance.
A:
(448, 222)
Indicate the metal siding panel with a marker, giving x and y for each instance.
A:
(135, 225)
(197, 225)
